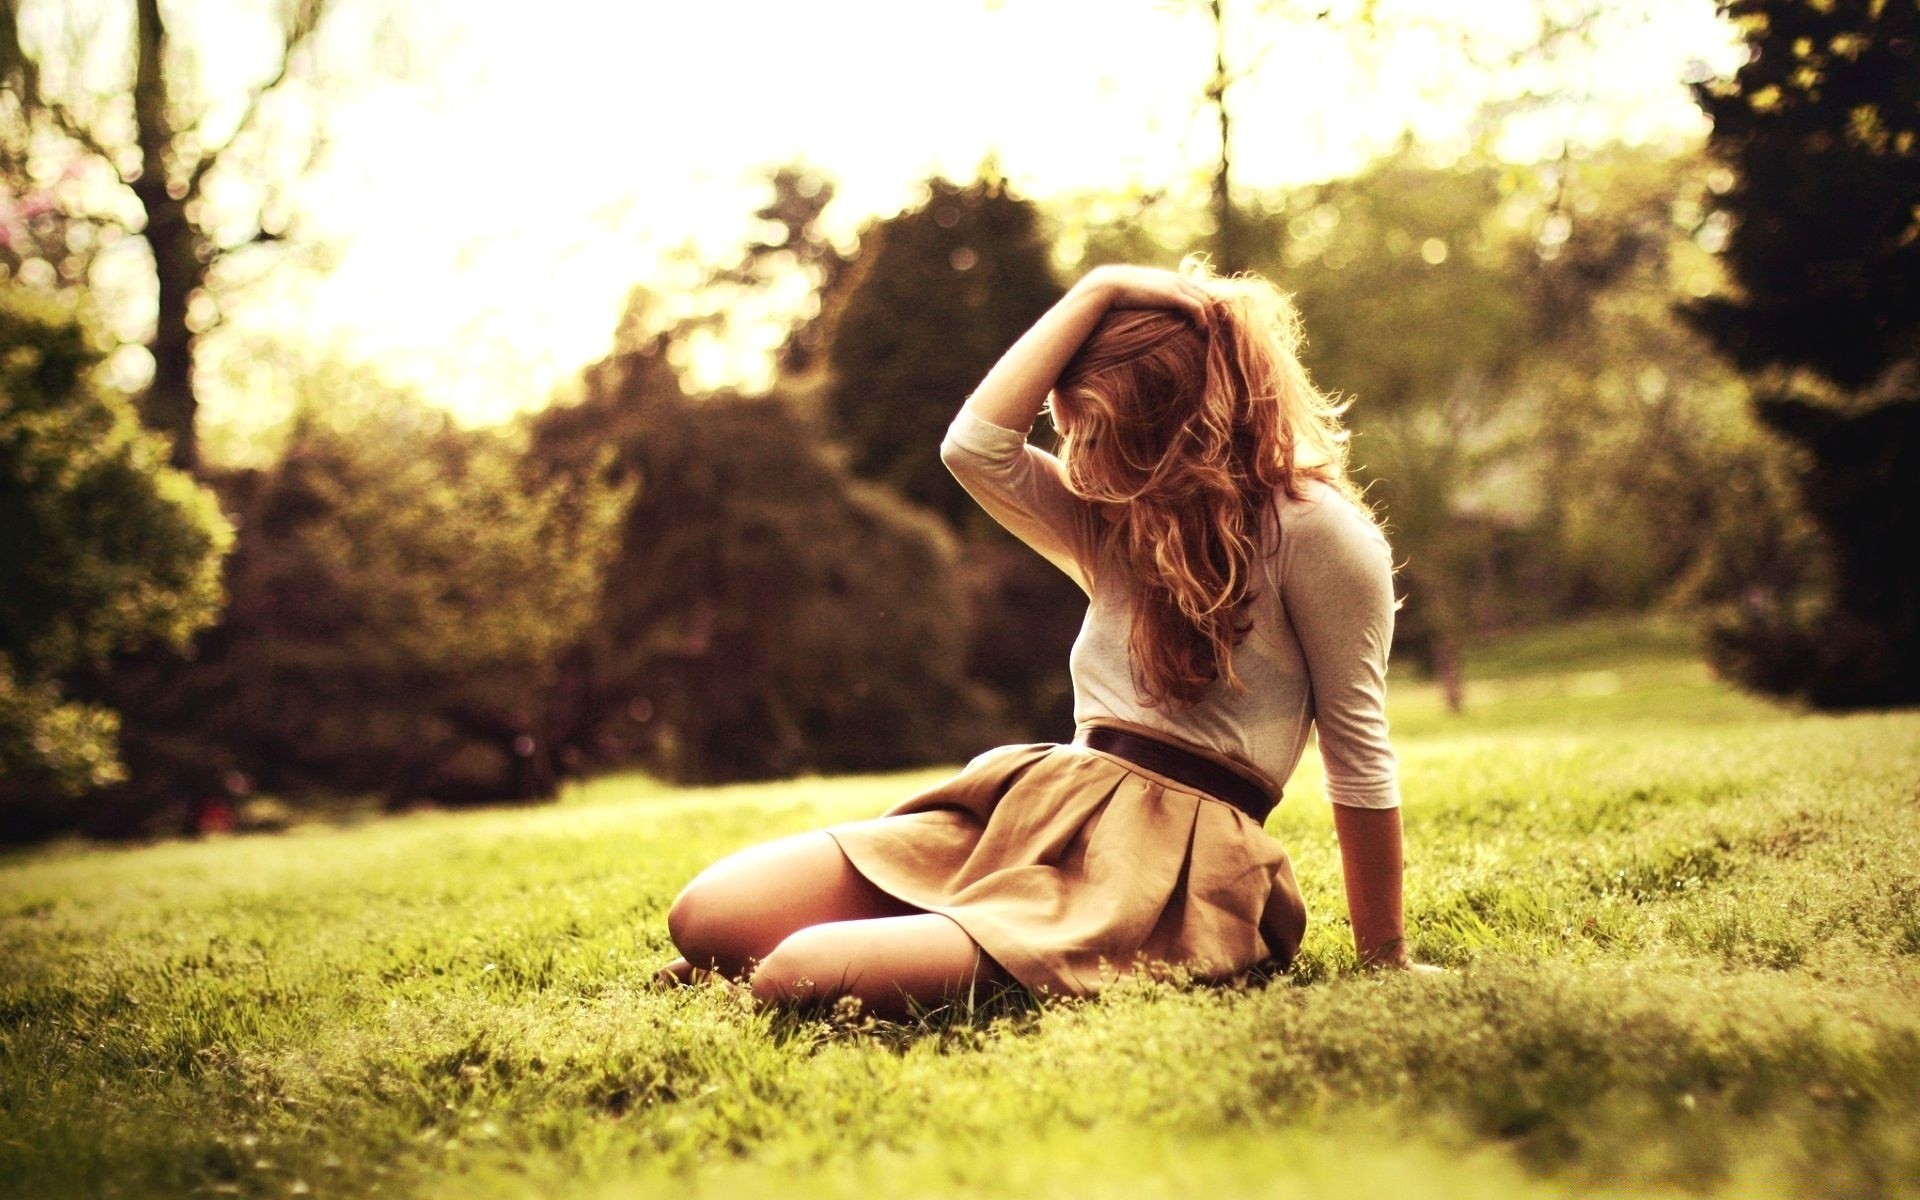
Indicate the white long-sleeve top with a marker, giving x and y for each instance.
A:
(1316, 656)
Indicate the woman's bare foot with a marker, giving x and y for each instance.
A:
(678, 973)
(681, 973)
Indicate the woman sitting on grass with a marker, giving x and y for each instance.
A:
(1239, 591)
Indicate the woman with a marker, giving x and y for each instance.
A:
(1238, 591)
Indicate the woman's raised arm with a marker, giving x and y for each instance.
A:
(1021, 486)
(1013, 392)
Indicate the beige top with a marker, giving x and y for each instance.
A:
(1317, 653)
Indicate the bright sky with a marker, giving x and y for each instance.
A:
(492, 212)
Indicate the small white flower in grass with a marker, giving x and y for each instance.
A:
(488, 969)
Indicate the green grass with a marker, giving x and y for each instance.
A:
(1686, 927)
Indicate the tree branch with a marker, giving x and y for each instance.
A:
(24, 74)
(301, 27)
(74, 128)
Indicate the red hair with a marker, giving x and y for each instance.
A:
(1189, 431)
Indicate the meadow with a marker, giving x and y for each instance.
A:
(1684, 927)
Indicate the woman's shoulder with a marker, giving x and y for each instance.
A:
(1324, 521)
(1324, 509)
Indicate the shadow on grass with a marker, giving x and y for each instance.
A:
(966, 1021)
(955, 1025)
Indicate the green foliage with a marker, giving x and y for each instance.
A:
(1682, 922)
(765, 612)
(401, 597)
(941, 291)
(51, 749)
(1405, 275)
(454, 566)
(933, 298)
(1540, 434)
(102, 548)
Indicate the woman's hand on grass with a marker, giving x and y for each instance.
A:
(1149, 287)
(1407, 965)
(1394, 957)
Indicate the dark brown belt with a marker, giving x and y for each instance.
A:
(1201, 774)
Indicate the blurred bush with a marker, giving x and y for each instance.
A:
(765, 612)
(102, 547)
(400, 597)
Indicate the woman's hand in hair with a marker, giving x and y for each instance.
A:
(1149, 287)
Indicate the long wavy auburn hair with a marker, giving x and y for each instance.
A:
(1187, 432)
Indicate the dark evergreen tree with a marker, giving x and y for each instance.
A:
(932, 299)
(1820, 127)
(943, 290)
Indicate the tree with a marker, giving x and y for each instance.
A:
(167, 145)
(1539, 432)
(765, 612)
(102, 548)
(1820, 129)
(794, 243)
(1406, 284)
(1478, 53)
(934, 296)
(402, 596)
(942, 290)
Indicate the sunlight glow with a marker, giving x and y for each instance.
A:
(493, 215)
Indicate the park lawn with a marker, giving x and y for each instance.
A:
(1685, 926)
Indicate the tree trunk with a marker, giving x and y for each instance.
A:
(1446, 670)
(169, 404)
(1227, 237)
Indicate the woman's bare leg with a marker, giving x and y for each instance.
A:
(888, 963)
(736, 911)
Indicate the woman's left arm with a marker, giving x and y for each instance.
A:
(1370, 867)
(1339, 598)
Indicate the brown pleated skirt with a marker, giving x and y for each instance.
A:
(1071, 867)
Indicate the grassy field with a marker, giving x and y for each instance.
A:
(1686, 927)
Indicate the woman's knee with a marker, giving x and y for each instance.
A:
(682, 915)
(806, 965)
(699, 926)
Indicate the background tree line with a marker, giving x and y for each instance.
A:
(1569, 397)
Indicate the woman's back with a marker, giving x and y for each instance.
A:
(1322, 620)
